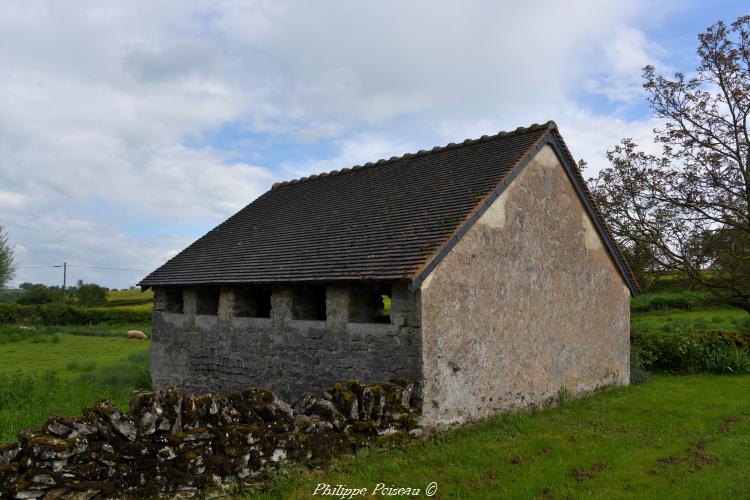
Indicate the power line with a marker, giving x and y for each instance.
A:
(84, 267)
(65, 267)
(108, 268)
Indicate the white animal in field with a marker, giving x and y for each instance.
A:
(136, 335)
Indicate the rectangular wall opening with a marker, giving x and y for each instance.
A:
(252, 301)
(173, 300)
(207, 300)
(309, 302)
(370, 303)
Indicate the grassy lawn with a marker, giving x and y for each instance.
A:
(683, 312)
(676, 437)
(67, 350)
(686, 436)
(700, 319)
(59, 370)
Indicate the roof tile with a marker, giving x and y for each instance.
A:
(379, 221)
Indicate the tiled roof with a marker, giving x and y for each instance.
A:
(380, 221)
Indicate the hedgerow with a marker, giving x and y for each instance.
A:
(67, 314)
(712, 352)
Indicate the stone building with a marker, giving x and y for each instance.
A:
(480, 270)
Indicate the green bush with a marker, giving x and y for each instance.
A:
(727, 360)
(91, 294)
(67, 314)
(662, 303)
(638, 373)
(714, 352)
(39, 294)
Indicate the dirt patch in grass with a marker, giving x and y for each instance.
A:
(519, 459)
(489, 477)
(698, 459)
(670, 460)
(590, 473)
(728, 423)
(695, 458)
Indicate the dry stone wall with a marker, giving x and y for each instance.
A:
(171, 442)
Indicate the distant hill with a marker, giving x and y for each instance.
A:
(131, 299)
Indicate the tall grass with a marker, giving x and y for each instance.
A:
(14, 333)
(28, 399)
(721, 353)
(726, 360)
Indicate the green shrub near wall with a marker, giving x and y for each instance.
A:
(713, 352)
(66, 314)
(661, 304)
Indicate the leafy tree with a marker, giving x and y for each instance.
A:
(9, 295)
(25, 285)
(91, 294)
(39, 294)
(686, 211)
(7, 264)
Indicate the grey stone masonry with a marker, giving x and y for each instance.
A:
(202, 353)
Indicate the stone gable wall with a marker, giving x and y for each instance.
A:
(527, 303)
(290, 357)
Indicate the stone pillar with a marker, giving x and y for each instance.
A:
(281, 304)
(226, 303)
(403, 305)
(337, 306)
(189, 305)
(160, 299)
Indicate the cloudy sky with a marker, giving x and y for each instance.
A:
(129, 129)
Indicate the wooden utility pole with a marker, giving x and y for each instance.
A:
(65, 275)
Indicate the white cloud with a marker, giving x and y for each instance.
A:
(626, 53)
(356, 150)
(99, 102)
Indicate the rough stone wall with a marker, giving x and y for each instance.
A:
(173, 444)
(290, 357)
(527, 303)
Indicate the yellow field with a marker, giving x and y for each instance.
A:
(131, 300)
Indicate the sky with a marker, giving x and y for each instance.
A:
(130, 129)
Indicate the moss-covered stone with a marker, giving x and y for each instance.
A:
(187, 442)
(46, 447)
(8, 452)
(365, 426)
(141, 401)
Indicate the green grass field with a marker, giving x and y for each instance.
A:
(698, 312)
(699, 319)
(686, 436)
(59, 370)
(676, 437)
(39, 351)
